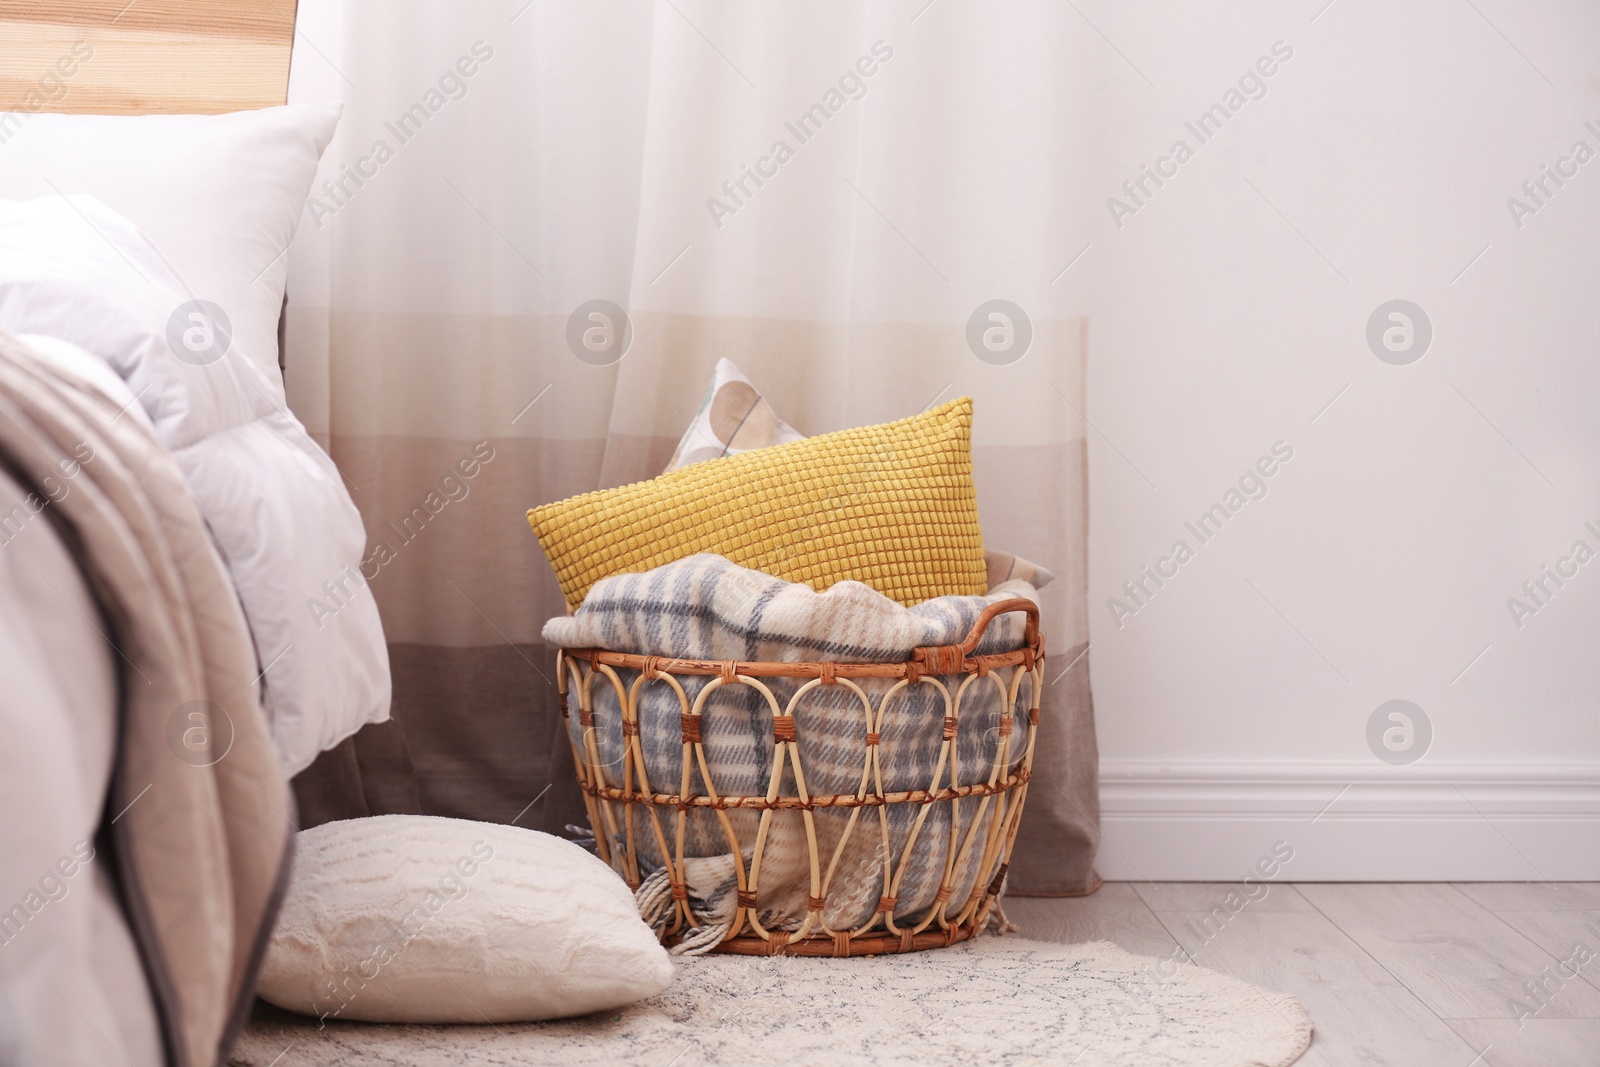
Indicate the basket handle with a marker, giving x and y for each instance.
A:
(949, 659)
(994, 611)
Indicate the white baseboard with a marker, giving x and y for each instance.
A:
(1351, 822)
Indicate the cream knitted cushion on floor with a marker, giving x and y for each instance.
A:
(412, 918)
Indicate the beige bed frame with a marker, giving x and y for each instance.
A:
(135, 57)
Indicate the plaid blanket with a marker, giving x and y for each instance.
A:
(706, 607)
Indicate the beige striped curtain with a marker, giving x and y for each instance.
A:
(834, 196)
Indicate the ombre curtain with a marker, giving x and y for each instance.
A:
(831, 195)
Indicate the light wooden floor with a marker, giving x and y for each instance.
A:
(1409, 974)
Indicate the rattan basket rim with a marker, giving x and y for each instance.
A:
(929, 659)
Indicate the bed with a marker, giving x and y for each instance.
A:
(165, 523)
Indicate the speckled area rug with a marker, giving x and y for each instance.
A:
(993, 1001)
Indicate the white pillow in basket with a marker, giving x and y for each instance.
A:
(734, 417)
(417, 919)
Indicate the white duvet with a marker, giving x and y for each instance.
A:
(86, 282)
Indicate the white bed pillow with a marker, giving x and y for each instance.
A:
(278, 511)
(417, 919)
(219, 196)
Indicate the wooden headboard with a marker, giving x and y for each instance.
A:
(116, 57)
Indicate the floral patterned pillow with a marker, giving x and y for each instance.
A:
(733, 418)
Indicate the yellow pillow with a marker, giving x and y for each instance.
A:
(892, 506)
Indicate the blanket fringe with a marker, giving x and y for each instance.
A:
(654, 897)
(700, 940)
(997, 923)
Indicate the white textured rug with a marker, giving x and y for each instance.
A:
(995, 1001)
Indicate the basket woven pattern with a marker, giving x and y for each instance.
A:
(846, 871)
(891, 505)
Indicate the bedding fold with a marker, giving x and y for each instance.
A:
(274, 504)
(197, 817)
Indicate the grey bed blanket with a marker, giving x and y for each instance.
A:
(706, 607)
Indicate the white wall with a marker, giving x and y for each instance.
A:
(1229, 313)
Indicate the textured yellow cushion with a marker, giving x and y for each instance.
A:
(892, 506)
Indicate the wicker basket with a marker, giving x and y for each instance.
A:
(635, 816)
